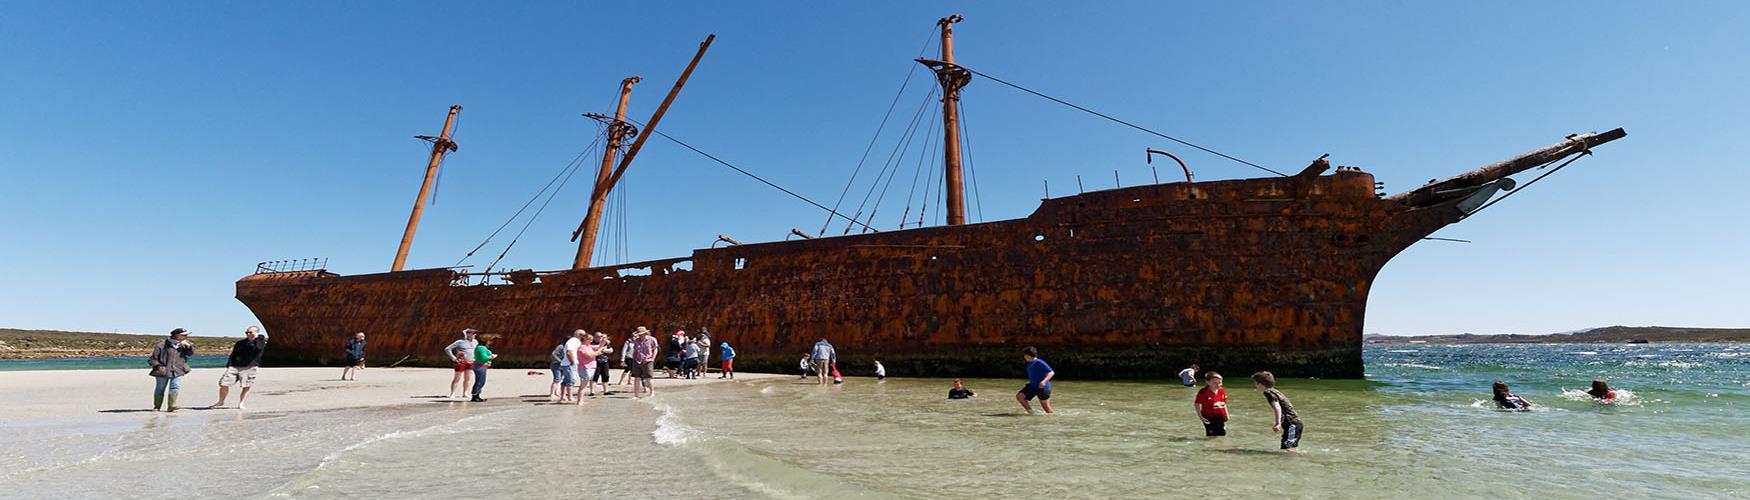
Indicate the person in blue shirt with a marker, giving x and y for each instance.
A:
(1038, 385)
(728, 357)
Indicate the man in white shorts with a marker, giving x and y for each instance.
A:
(241, 366)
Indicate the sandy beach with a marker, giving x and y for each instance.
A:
(90, 433)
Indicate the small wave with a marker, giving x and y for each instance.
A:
(1414, 365)
(1727, 355)
(1585, 353)
(1403, 350)
(767, 391)
(669, 430)
(1665, 364)
(1624, 397)
(1647, 356)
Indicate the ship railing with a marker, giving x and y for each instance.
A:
(292, 265)
(633, 270)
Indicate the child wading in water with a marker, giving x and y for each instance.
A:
(1286, 420)
(1211, 406)
(1038, 385)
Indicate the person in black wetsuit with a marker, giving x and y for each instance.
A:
(960, 391)
(1505, 398)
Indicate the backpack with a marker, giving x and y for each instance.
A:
(558, 356)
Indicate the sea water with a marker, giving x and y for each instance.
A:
(1419, 426)
(101, 363)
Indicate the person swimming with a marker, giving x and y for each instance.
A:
(1505, 398)
(1602, 392)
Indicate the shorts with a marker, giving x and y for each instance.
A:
(558, 373)
(463, 366)
(584, 375)
(352, 361)
(1291, 434)
(240, 376)
(641, 370)
(728, 365)
(1215, 428)
(822, 366)
(1033, 391)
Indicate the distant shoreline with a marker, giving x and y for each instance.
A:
(1605, 335)
(54, 344)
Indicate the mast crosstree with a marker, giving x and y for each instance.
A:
(439, 145)
(952, 77)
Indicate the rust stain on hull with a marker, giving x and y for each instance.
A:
(1139, 282)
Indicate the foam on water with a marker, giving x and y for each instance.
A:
(669, 429)
(1414, 365)
(1624, 397)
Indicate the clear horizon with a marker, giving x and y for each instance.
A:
(155, 152)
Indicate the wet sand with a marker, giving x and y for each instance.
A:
(307, 434)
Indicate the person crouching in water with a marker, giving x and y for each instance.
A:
(1505, 398)
(1286, 420)
(1039, 375)
(1601, 392)
(960, 391)
(1211, 405)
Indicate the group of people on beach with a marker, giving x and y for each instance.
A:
(581, 361)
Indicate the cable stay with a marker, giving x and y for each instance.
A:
(536, 215)
(1125, 123)
(563, 172)
(878, 129)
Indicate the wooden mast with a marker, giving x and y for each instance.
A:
(592, 220)
(952, 77)
(604, 184)
(439, 145)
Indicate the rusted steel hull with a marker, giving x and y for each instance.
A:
(1139, 282)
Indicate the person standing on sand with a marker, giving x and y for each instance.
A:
(569, 363)
(704, 350)
(587, 354)
(626, 359)
(602, 361)
(1039, 375)
(824, 357)
(1211, 405)
(461, 352)
(643, 362)
(240, 368)
(880, 372)
(1189, 376)
(690, 353)
(807, 366)
(355, 357)
(1287, 420)
(728, 362)
(169, 363)
(482, 361)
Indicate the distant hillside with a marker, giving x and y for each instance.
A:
(1605, 335)
(37, 344)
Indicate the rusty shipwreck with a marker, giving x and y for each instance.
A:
(1235, 275)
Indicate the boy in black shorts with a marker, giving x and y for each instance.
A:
(1038, 385)
(1286, 420)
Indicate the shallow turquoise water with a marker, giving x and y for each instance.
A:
(1419, 425)
(107, 363)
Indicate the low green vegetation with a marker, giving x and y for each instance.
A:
(38, 344)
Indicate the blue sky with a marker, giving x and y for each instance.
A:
(152, 153)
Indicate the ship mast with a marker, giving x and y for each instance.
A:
(607, 181)
(439, 146)
(592, 221)
(952, 77)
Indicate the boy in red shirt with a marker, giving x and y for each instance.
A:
(1211, 405)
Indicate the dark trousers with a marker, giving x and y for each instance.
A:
(479, 379)
(601, 371)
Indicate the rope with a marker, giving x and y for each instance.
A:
(966, 140)
(899, 151)
(1584, 152)
(1122, 122)
(536, 215)
(758, 178)
(878, 129)
(899, 162)
(562, 172)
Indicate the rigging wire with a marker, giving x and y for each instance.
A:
(966, 141)
(896, 165)
(536, 215)
(911, 192)
(439, 181)
(575, 161)
(1122, 122)
(758, 178)
(878, 128)
(899, 150)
